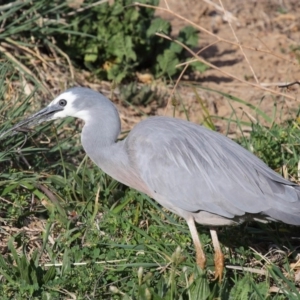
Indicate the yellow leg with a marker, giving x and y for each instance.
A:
(219, 257)
(200, 256)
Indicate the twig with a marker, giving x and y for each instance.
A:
(278, 84)
(286, 85)
(166, 3)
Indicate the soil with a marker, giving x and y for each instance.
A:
(271, 26)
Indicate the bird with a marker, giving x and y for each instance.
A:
(197, 173)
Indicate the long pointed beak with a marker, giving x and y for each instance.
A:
(44, 114)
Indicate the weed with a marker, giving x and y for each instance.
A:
(124, 42)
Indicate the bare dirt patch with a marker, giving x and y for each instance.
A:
(271, 26)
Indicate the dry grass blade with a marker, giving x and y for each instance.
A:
(22, 67)
(71, 69)
(26, 49)
(246, 269)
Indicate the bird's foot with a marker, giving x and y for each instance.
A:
(219, 265)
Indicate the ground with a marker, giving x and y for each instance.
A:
(268, 25)
(270, 28)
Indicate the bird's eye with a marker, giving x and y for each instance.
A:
(62, 102)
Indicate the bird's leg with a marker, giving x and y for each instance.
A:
(219, 257)
(200, 256)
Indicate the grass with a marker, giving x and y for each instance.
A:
(70, 231)
(29, 34)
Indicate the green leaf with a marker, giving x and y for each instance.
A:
(167, 63)
(189, 36)
(200, 288)
(199, 66)
(176, 48)
(91, 54)
(122, 47)
(159, 25)
(9, 188)
(4, 265)
(116, 73)
(49, 275)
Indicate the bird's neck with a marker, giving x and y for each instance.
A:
(100, 132)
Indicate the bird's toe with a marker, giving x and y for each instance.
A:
(219, 265)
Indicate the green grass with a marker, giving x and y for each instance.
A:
(29, 39)
(68, 231)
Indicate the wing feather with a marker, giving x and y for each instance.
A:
(197, 169)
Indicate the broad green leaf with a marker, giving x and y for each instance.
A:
(167, 62)
(159, 25)
(189, 36)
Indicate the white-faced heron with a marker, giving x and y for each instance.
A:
(196, 173)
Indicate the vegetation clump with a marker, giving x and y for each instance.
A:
(122, 41)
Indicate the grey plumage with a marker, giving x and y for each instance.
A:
(199, 174)
(201, 170)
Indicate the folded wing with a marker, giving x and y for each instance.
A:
(197, 169)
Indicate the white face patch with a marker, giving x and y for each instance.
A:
(69, 110)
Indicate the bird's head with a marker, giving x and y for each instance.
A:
(76, 102)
